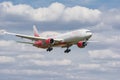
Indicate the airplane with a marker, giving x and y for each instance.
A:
(66, 40)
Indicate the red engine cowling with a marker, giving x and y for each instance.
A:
(49, 41)
(81, 44)
(38, 43)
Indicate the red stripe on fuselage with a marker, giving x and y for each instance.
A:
(54, 45)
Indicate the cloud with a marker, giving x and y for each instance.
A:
(92, 66)
(6, 59)
(113, 64)
(30, 56)
(109, 20)
(104, 54)
(4, 43)
(109, 66)
(112, 17)
(107, 39)
(52, 62)
(56, 11)
(26, 72)
(37, 63)
(81, 14)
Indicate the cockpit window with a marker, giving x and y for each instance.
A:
(88, 31)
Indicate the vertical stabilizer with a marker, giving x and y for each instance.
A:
(35, 31)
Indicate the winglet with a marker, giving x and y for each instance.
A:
(2, 32)
(35, 31)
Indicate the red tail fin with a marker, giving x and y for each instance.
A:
(35, 31)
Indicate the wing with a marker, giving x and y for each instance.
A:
(33, 38)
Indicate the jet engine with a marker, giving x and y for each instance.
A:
(81, 44)
(50, 41)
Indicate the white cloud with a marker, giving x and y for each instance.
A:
(102, 27)
(81, 14)
(56, 11)
(30, 62)
(92, 66)
(109, 20)
(30, 56)
(107, 38)
(6, 59)
(113, 64)
(103, 54)
(108, 66)
(11, 45)
(26, 72)
(53, 12)
(51, 63)
(112, 17)
(4, 43)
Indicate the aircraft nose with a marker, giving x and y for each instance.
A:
(90, 34)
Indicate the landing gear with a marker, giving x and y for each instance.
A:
(67, 50)
(49, 49)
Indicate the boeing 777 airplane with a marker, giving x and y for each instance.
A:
(77, 37)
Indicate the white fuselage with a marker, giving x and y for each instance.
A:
(75, 36)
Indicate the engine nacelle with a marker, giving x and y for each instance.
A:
(50, 41)
(38, 43)
(81, 44)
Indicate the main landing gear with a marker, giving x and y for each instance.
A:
(49, 49)
(67, 50)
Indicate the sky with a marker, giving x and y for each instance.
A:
(97, 61)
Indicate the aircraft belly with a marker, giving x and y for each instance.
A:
(60, 44)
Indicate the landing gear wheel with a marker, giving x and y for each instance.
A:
(67, 50)
(49, 49)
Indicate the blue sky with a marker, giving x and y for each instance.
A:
(99, 61)
(87, 3)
